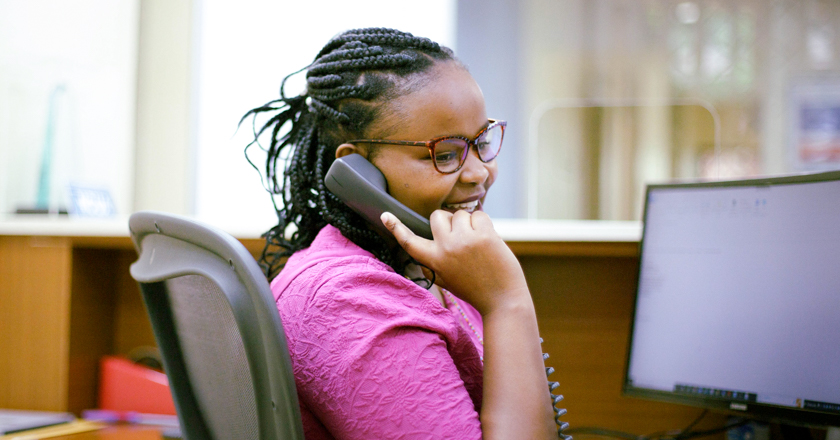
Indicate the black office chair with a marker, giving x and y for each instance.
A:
(217, 327)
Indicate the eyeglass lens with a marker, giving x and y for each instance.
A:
(450, 153)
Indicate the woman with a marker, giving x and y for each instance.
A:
(376, 353)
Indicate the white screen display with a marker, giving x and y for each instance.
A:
(739, 291)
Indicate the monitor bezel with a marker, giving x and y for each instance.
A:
(751, 410)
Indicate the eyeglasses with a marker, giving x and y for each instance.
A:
(450, 152)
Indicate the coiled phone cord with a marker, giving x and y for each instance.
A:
(555, 399)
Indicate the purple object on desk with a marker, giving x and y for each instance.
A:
(102, 415)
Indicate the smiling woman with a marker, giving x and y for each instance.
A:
(375, 354)
(452, 105)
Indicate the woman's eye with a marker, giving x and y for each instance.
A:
(445, 156)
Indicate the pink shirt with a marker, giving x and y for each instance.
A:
(375, 356)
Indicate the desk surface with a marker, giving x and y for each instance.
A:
(117, 432)
(109, 432)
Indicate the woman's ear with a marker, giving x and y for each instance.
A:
(346, 149)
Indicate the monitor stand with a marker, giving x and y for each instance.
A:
(791, 432)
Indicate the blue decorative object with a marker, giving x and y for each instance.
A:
(44, 178)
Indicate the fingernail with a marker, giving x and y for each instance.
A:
(387, 219)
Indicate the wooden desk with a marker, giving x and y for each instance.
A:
(117, 432)
(67, 299)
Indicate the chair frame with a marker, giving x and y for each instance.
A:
(170, 246)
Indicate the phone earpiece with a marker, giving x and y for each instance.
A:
(362, 187)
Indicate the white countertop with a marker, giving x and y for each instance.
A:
(568, 230)
(509, 229)
(63, 226)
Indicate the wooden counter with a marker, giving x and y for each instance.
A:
(66, 299)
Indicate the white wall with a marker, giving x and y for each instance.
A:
(83, 54)
(163, 162)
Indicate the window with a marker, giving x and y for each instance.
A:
(244, 49)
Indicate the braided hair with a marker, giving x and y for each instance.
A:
(348, 86)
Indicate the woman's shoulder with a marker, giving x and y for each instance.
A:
(335, 272)
(329, 256)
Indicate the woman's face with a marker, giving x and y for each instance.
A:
(449, 104)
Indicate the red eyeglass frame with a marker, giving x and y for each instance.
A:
(430, 144)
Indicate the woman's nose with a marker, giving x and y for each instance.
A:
(474, 170)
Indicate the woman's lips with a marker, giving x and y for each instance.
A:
(466, 206)
(469, 204)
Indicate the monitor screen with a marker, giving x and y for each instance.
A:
(738, 298)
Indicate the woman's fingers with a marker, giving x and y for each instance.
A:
(480, 220)
(441, 222)
(468, 257)
(418, 247)
(461, 222)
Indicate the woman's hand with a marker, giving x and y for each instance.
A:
(473, 262)
(468, 258)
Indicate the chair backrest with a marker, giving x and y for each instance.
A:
(217, 327)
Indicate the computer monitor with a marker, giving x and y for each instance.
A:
(738, 299)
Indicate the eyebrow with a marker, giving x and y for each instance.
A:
(468, 136)
(402, 120)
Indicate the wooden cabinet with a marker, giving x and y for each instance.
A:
(67, 299)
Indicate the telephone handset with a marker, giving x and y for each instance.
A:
(362, 187)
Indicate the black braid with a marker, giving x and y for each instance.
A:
(348, 86)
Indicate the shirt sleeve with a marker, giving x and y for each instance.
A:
(373, 360)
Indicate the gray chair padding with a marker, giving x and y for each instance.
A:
(217, 327)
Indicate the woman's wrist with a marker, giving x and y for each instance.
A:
(511, 299)
(511, 303)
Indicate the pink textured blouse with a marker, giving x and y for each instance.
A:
(375, 356)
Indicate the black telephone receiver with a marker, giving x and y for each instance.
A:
(362, 187)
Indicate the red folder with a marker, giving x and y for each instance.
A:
(126, 386)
